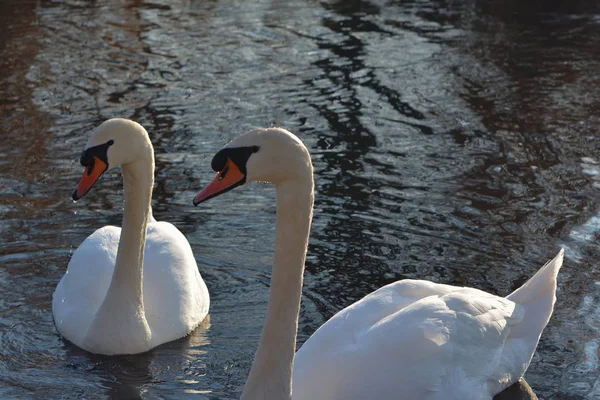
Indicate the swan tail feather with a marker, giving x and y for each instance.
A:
(539, 292)
(536, 298)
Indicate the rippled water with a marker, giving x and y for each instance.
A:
(453, 140)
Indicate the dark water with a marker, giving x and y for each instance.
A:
(453, 140)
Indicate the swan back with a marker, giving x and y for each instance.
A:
(431, 341)
(427, 340)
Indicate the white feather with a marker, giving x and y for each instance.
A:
(420, 340)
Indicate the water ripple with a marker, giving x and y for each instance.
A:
(451, 141)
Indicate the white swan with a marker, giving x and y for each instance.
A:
(410, 340)
(127, 291)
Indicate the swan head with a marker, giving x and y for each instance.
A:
(115, 142)
(263, 155)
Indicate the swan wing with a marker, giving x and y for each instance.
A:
(176, 299)
(83, 288)
(408, 340)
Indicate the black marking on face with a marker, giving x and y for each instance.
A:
(238, 155)
(100, 151)
(224, 173)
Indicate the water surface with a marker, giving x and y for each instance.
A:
(455, 141)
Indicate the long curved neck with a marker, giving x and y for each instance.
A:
(138, 180)
(271, 373)
(126, 289)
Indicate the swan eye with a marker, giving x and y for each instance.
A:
(224, 172)
(87, 156)
(238, 155)
(84, 160)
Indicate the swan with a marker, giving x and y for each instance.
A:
(127, 291)
(412, 339)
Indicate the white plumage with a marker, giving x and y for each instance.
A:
(127, 291)
(410, 340)
(175, 296)
(416, 339)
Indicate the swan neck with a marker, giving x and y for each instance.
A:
(138, 181)
(271, 373)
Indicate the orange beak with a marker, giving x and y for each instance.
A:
(228, 178)
(90, 175)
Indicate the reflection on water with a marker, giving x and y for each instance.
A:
(452, 140)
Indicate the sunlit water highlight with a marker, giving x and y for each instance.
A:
(452, 141)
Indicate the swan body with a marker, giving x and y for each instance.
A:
(175, 296)
(125, 292)
(412, 339)
(415, 339)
